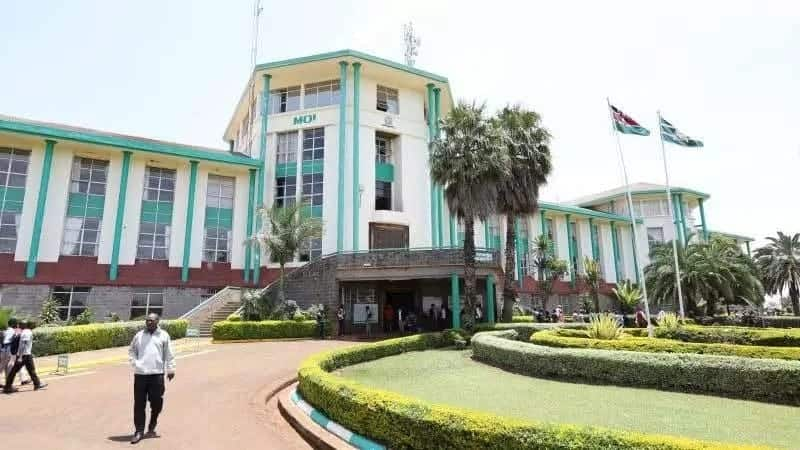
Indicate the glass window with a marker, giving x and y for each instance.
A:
(655, 235)
(287, 147)
(284, 100)
(219, 219)
(84, 214)
(387, 100)
(383, 148)
(13, 172)
(146, 301)
(154, 231)
(312, 189)
(285, 190)
(383, 196)
(320, 94)
(71, 300)
(387, 236)
(313, 144)
(312, 250)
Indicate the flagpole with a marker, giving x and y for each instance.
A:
(633, 222)
(672, 217)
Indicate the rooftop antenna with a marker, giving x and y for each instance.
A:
(253, 60)
(412, 43)
(254, 49)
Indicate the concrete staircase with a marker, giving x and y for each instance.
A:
(215, 309)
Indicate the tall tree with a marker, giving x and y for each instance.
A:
(284, 231)
(592, 278)
(469, 161)
(779, 267)
(527, 143)
(712, 272)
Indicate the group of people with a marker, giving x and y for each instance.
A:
(545, 315)
(16, 353)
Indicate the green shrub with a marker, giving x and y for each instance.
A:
(769, 337)
(5, 314)
(49, 313)
(234, 318)
(774, 381)
(525, 330)
(781, 321)
(265, 329)
(669, 321)
(406, 423)
(522, 319)
(53, 340)
(604, 326)
(557, 338)
(84, 318)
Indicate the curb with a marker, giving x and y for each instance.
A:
(353, 439)
(317, 437)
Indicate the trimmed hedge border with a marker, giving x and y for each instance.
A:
(407, 423)
(96, 336)
(555, 338)
(768, 337)
(526, 329)
(772, 381)
(265, 329)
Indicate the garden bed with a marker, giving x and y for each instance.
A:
(579, 339)
(80, 338)
(410, 423)
(264, 329)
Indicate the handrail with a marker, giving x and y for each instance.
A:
(206, 301)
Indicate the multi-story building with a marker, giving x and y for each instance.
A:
(130, 225)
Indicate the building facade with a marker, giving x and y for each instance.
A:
(127, 225)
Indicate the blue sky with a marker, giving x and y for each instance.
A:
(726, 72)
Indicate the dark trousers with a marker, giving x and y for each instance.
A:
(147, 387)
(27, 361)
(341, 327)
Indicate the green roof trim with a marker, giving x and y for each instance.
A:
(674, 190)
(351, 54)
(734, 236)
(584, 212)
(53, 131)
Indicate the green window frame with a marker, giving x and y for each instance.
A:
(85, 204)
(156, 217)
(220, 195)
(14, 165)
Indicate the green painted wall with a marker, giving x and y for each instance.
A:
(85, 205)
(11, 199)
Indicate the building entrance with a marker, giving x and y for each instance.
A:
(403, 307)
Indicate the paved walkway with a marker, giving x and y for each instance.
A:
(216, 401)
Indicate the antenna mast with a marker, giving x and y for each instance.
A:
(412, 43)
(254, 48)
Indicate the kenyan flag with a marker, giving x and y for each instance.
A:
(624, 124)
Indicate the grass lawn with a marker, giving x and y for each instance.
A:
(451, 377)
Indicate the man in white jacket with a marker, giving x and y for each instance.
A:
(151, 357)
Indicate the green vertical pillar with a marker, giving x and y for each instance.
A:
(518, 249)
(453, 231)
(431, 136)
(341, 156)
(677, 219)
(187, 235)
(440, 189)
(572, 268)
(490, 299)
(248, 250)
(615, 249)
(41, 203)
(703, 219)
(543, 223)
(356, 136)
(593, 238)
(113, 270)
(684, 222)
(455, 301)
(262, 170)
(635, 255)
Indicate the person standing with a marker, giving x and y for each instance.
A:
(478, 314)
(368, 313)
(340, 317)
(443, 316)
(388, 317)
(151, 357)
(24, 358)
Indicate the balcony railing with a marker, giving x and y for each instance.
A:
(415, 257)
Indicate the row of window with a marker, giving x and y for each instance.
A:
(73, 300)
(325, 93)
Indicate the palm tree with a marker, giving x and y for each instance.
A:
(526, 141)
(592, 277)
(284, 231)
(469, 161)
(628, 295)
(779, 266)
(711, 272)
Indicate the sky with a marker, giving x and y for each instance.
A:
(725, 72)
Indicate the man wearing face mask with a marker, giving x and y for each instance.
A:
(151, 356)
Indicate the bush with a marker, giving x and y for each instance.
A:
(525, 330)
(773, 381)
(84, 318)
(49, 312)
(604, 326)
(53, 340)
(407, 423)
(266, 329)
(573, 339)
(769, 337)
(522, 319)
(5, 314)
(234, 318)
(781, 321)
(670, 321)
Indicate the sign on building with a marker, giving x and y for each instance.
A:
(304, 119)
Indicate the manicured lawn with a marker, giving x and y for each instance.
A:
(451, 377)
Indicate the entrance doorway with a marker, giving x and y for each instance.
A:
(400, 301)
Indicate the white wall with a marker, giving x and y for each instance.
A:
(607, 251)
(106, 246)
(133, 210)
(56, 206)
(25, 230)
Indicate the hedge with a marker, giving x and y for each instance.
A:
(406, 423)
(579, 339)
(773, 381)
(265, 329)
(769, 337)
(80, 338)
(525, 329)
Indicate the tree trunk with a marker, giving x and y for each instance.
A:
(469, 275)
(281, 292)
(794, 294)
(509, 288)
(596, 301)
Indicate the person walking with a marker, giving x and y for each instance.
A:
(24, 358)
(6, 362)
(340, 317)
(443, 316)
(151, 357)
